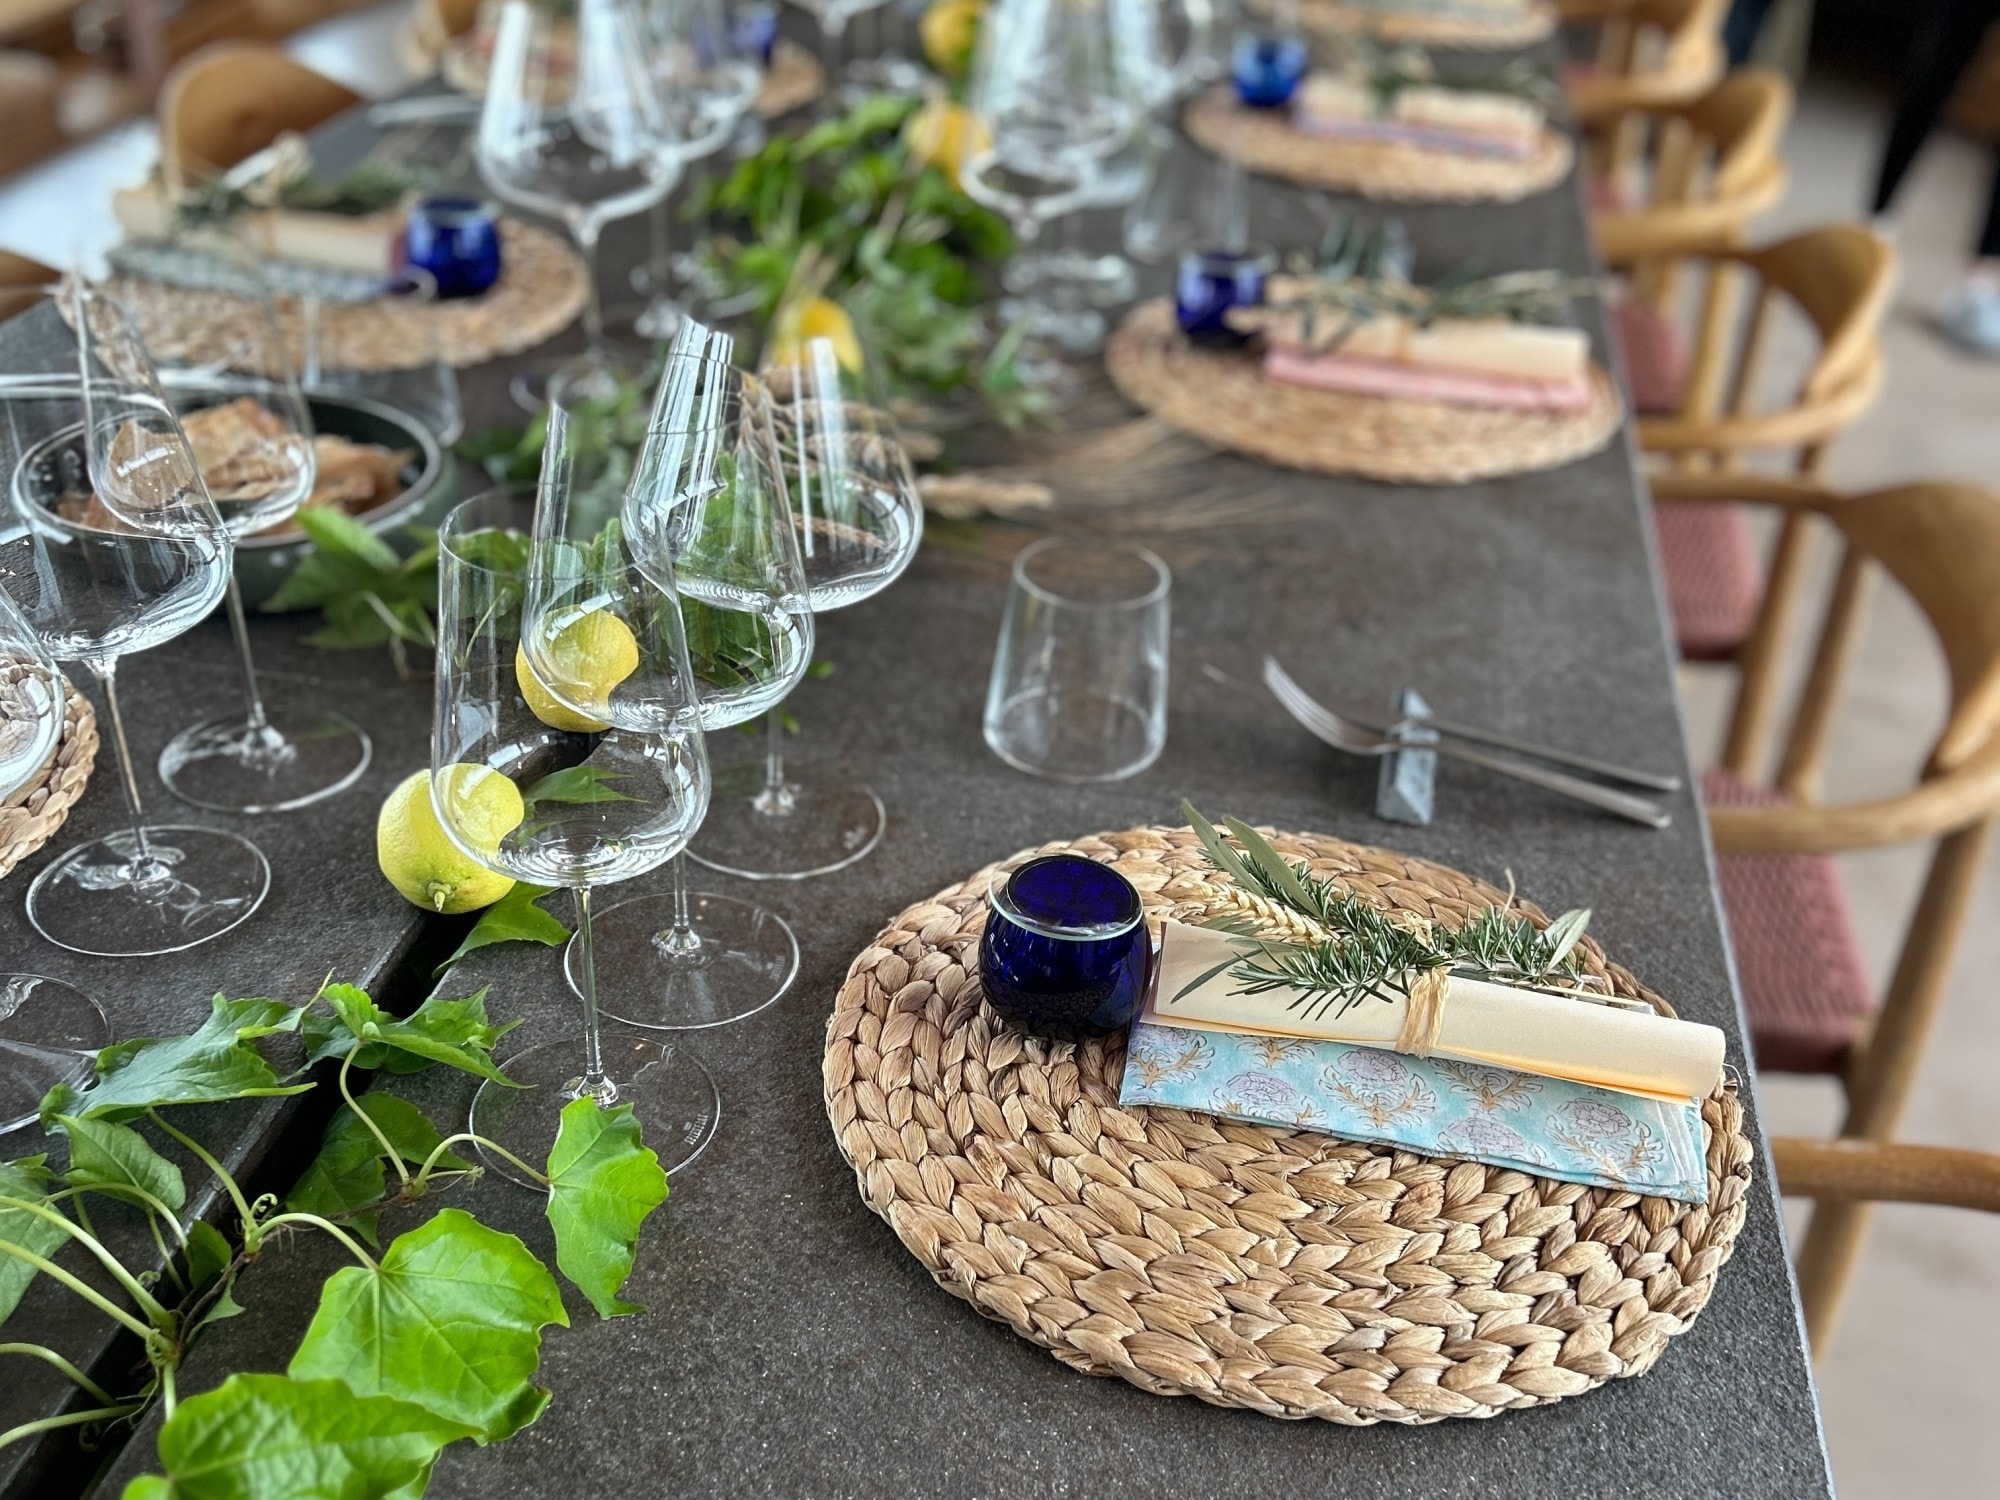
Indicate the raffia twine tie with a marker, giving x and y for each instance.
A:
(1423, 1012)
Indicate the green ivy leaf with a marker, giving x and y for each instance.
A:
(453, 1032)
(102, 1154)
(514, 918)
(219, 1061)
(603, 1182)
(208, 1253)
(27, 1179)
(451, 1319)
(258, 1436)
(348, 1173)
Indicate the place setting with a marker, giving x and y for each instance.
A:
(1472, 25)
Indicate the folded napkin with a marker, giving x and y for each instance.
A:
(1550, 1036)
(1439, 119)
(1375, 377)
(364, 244)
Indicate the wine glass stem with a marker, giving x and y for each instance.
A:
(588, 231)
(680, 940)
(829, 46)
(659, 254)
(776, 799)
(595, 1083)
(239, 627)
(106, 673)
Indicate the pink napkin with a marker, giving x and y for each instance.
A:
(1381, 377)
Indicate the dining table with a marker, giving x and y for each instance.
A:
(789, 1344)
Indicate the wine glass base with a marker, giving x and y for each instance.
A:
(672, 1097)
(49, 1034)
(745, 958)
(577, 376)
(294, 760)
(831, 823)
(98, 898)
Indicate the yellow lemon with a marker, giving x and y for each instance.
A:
(590, 656)
(815, 318)
(423, 863)
(949, 31)
(943, 134)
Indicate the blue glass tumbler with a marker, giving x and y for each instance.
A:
(1065, 954)
(1267, 70)
(1209, 283)
(753, 32)
(457, 241)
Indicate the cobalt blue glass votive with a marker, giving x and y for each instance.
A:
(1065, 953)
(1208, 283)
(1267, 70)
(753, 32)
(457, 241)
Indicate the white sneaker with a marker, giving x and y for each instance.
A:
(1970, 316)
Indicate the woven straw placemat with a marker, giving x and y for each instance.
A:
(1295, 1274)
(793, 80)
(540, 292)
(1222, 396)
(1431, 28)
(1264, 140)
(30, 817)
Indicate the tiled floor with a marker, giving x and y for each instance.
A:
(1908, 1393)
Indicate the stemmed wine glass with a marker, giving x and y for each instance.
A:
(859, 518)
(115, 546)
(707, 513)
(574, 126)
(225, 371)
(48, 1030)
(832, 17)
(528, 787)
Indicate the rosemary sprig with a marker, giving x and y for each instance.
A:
(1391, 70)
(1372, 954)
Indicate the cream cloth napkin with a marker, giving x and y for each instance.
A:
(1550, 1036)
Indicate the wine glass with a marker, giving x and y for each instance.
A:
(524, 791)
(49, 1031)
(574, 126)
(707, 513)
(226, 372)
(708, 84)
(832, 17)
(115, 546)
(859, 519)
(345, 358)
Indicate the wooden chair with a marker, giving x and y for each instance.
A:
(22, 283)
(1877, 1172)
(1727, 604)
(1650, 54)
(1808, 1002)
(233, 99)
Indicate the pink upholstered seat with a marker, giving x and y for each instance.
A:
(1804, 988)
(1715, 579)
(1656, 357)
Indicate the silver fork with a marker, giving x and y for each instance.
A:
(1355, 740)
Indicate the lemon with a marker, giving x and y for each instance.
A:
(589, 656)
(943, 134)
(949, 31)
(423, 863)
(815, 318)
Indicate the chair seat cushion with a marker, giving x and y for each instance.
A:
(1804, 988)
(1603, 196)
(1656, 357)
(1715, 579)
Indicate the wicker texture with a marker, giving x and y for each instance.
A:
(1437, 28)
(30, 817)
(793, 80)
(1291, 1273)
(1221, 395)
(1265, 140)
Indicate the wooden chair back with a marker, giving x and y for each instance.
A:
(1877, 1172)
(232, 100)
(1650, 54)
(23, 283)
(1942, 543)
(438, 21)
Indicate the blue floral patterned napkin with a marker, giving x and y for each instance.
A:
(1438, 1106)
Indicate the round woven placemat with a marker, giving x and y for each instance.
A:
(1292, 1273)
(1222, 396)
(793, 80)
(1264, 140)
(30, 817)
(1437, 28)
(541, 291)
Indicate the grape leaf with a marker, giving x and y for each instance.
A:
(102, 1154)
(27, 1179)
(348, 1173)
(218, 1061)
(603, 1182)
(256, 1436)
(456, 1033)
(450, 1319)
(513, 918)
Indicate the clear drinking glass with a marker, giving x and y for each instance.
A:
(707, 514)
(49, 1031)
(860, 520)
(115, 546)
(832, 17)
(229, 378)
(1079, 684)
(345, 358)
(565, 806)
(574, 126)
